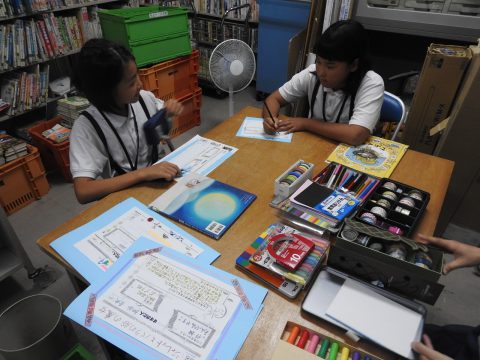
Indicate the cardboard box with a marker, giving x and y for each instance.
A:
(460, 143)
(441, 75)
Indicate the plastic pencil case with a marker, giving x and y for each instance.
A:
(345, 182)
(394, 206)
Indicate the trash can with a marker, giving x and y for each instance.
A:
(34, 328)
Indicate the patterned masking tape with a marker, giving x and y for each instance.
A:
(241, 294)
(90, 310)
(147, 252)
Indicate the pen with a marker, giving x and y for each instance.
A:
(270, 113)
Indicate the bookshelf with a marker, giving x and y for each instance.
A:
(35, 34)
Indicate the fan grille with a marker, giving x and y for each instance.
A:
(232, 65)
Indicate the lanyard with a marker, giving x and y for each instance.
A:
(341, 107)
(132, 165)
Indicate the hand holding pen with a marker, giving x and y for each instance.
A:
(270, 127)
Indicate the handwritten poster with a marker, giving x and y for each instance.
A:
(199, 155)
(161, 304)
(94, 247)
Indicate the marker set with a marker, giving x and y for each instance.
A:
(394, 207)
(314, 345)
(343, 178)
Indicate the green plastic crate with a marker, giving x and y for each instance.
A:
(145, 23)
(152, 33)
(160, 49)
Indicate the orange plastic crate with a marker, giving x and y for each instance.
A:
(55, 156)
(22, 181)
(191, 113)
(173, 79)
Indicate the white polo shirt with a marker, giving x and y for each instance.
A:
(367, 105)
(88, 156)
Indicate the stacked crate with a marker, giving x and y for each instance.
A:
(157, 34)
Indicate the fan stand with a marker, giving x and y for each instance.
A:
(230, 101)
(236, 69)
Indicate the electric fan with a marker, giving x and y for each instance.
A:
(232, 67)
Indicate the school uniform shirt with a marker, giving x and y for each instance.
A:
(367, 105)
(88, 156)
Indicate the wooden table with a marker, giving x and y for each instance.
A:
(253, 168)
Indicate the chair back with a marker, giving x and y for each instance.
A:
(393, 110)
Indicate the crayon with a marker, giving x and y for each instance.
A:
(313, 343)
(356, 355)
(303, 339)
(344, 354)
(332, 354)
(323, 348)
(293, 335)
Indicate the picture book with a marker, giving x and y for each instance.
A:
(204, 204)
(156, 303)
(268, 259)
(333, 203)
(377, 157)
(253, 128)
(93, 248)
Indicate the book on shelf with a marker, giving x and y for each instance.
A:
(377, 156)
(259, 261)
(204, 204)
(25, 90)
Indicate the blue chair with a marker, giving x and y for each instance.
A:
(393, 110)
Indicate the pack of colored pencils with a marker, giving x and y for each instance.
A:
(345, 179)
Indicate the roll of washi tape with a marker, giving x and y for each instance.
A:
(390, 195)
(376, 246)
(416, 195)
(349, 234)
(395, 230)
(363, 239)
(390, 186)
(402, 210)
(407, 200)
(295, 173)
(384, 202)
(377, 210)
(368, 217)
(397, 251)
(422, 259)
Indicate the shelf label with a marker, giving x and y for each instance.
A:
(158, 14)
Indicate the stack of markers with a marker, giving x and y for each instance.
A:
(323, 348)
(337, 176)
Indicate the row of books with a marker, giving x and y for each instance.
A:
(212, 33)
(29, 41)
(11, 148)
(25, 90)
(218, 8)
(336, 10)
(11, 8)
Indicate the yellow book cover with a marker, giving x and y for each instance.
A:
(377, 156)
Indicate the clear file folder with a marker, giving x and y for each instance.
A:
(326, 294)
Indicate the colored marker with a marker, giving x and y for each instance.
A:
(323, 348)
(344, 354)
(293, 335)
(356, 356)
(366, 357)
(303, 339)
(313, 343)
(332, 354)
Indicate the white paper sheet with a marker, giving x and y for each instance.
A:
(199, 155)
(374, 316)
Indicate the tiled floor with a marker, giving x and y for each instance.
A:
(457, 304)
